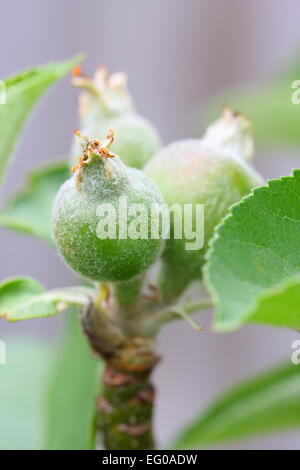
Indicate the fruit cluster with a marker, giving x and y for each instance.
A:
(214, 171)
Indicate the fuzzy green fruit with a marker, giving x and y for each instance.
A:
(105, 104)
(212, 171)
(101, 180)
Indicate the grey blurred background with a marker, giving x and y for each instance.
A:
(176, 53)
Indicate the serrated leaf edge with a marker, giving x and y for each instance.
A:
(217, 324)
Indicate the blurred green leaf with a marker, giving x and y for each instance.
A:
(72, 393)
(48, 392)
(276, 119)
(268, 403)
(23, 385)
(22, 92)
(30, 210)
(253, 269)
(25, 298)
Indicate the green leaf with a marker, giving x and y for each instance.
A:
(47, 393)
(23, 386)
(72, 393)
(268, 403)
(30, 210)
(25, 298)
(22, 92)
(269, 105)
(253, 269)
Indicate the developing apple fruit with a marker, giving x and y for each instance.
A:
(212, 171)
(105, 104)
(99, 182)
